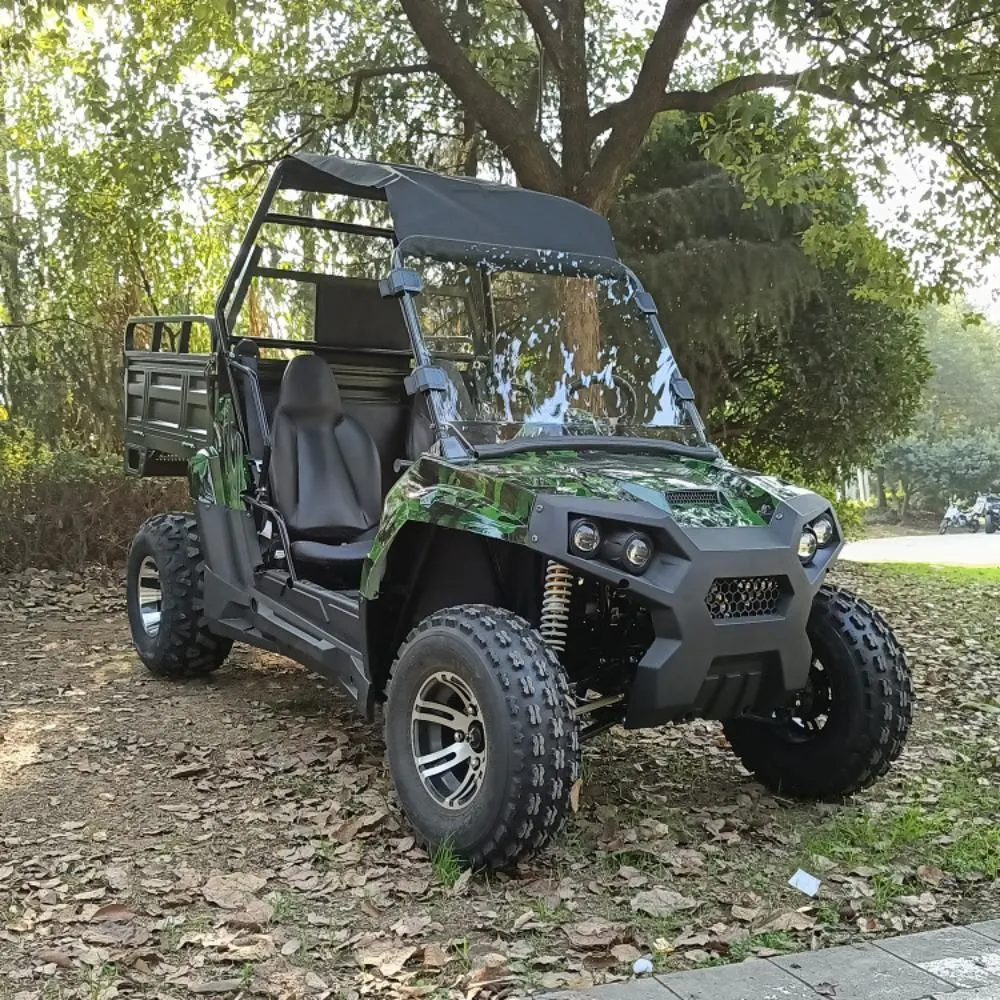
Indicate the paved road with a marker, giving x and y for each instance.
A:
(955, 963)
(955, 549)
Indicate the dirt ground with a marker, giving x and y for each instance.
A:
(238, 836)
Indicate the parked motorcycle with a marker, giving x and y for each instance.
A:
(955, 517)
(992, 513)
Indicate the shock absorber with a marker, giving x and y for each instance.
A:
(555, 604)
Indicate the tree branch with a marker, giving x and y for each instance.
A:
(503, 123)
(546, 31)
(636, 112)
(701, 101)
(361, 76)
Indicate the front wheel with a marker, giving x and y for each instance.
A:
(991, 525)
(846, 727)
(943, 527)
(482, 743)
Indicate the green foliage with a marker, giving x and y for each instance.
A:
(930, 470)
(791, 318)
(955, 447)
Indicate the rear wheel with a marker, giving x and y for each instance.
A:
(973, 524)
(846, 727)
(482, 743)
(991, 524)
(165, 577)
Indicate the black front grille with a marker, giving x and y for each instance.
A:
(743, 597)
(693, 498)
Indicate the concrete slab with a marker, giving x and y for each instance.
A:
(636, 989)
(754, 979)
(982, 993)
(861, 973)
(960, 957)
(989, 928)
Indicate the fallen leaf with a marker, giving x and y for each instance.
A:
(51, 956)
(492, 969)
(387, 957)
(216, 986)
(661, 902)
(593, 933)
(930, 874)
(574, 795)
(232, 892)
(626, 953)
(113, 911)
(792, 920)
(434, 957)
(348, 830)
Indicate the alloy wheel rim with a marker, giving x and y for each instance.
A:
(150, 596)
(810, 712)
(448, 740)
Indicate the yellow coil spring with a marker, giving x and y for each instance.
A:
(555, 604)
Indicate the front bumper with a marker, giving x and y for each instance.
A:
(703, 662)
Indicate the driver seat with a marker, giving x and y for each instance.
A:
(325, 471)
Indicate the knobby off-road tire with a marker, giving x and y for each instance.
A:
(174, 643)
(991, 525)
(861, 676)
(478, 683)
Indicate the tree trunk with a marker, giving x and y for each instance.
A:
(581, 333)
(880, 488)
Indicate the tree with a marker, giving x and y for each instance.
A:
(806, 357)
(954, 449)
(926, 67)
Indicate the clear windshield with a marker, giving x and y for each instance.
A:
(547, 355)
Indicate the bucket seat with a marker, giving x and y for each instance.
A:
(325, 472)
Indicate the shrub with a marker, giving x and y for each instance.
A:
(64, 510)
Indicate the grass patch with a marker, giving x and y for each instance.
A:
(957, 829)
(447, 867)
(935, 571)
(775, 940)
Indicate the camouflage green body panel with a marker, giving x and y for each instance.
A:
(433, 491)
(218, 472)
(495, 497)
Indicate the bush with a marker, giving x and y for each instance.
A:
(66, 510)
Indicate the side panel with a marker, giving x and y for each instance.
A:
(167, 411)
(434, 492)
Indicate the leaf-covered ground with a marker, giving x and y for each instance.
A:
(238, 836)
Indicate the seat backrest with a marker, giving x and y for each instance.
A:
(326, 476)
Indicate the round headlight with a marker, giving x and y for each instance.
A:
(638, 552)
(807, 545)
(585, 538)
(822, 528)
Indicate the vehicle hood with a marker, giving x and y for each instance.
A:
(694, 492)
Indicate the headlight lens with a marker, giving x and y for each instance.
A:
(585, 538)
(638, 552)
(822, 528)
(807, 545)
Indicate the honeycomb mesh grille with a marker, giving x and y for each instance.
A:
(743, 597)
(693, 498)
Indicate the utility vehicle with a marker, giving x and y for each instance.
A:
(440, 453)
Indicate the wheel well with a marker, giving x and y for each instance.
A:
(431, 567)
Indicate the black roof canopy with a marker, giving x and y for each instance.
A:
(444, 216)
